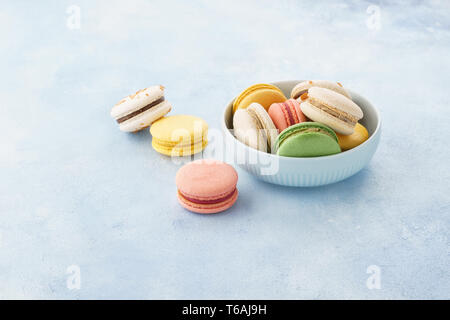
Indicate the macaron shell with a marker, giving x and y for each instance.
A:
(308, 144)
(300, 114)
(185, 142)
(205, 208)
(278, 115)
(321, 116)
(136, 101)
(206, 179)
(307, 139)
(179, 151)
(271, 131)
(247, 130)
(146, 118)
(305, 126)
(305, 85)
(333, 99)
(177, 127)
(348, 142)
(264, 94)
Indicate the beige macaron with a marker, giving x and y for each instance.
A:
(331, 108)
(254, 127)
(139, 110)
(303, 87)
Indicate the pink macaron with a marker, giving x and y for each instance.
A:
(286, 114)
(207, 186)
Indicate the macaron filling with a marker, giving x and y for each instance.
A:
(212, 201)
(341, 115)
(181, 143)
(289, 113)
(306, 130)
(139, 111)
(298, 94)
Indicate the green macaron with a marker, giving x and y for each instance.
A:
(307, 139)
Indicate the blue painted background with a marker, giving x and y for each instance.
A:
(74, 190)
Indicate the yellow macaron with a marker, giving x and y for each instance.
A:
(358, 136)
(264, 94)
(179, 135)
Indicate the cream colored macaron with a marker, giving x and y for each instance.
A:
(303, 87)
(254, 127)
(139, 110)
(331, 108)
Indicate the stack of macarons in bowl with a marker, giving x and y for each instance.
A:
(321, 134)
(177, 135)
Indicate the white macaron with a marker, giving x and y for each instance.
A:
(303, 87)
(254, 127)
(332, 109)
(139, 110)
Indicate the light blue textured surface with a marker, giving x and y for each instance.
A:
(76, 191)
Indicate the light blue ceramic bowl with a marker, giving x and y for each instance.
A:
(306, 172)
